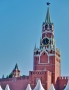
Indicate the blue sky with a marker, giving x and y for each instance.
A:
(20, 28)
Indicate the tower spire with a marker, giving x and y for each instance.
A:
(47, 20)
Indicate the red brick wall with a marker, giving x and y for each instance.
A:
(44, 58)
(45, 77)
(15, 83)
(61, 82)
(48, 35)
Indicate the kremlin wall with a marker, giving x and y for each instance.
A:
(46, 72)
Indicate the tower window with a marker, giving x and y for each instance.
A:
(50, 26)
(37, 52)
(47, 50)
(31, 73)
(46, 26)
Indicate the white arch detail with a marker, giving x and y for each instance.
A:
(41, 54)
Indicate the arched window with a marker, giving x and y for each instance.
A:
(50, 26)
(46, 26)
(37, 52)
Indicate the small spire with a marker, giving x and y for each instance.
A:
(35, 46)
(16, 67)
(47, 20)
(40, 40)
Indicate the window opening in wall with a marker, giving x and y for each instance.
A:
(47, 50)
(37, 52)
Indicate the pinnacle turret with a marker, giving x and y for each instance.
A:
(35, 47)
(16, 71)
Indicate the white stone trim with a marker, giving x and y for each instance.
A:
(44, 50)
(41, 70)
(45, 65)
(45, 31)
(41, 54)
(48, 55)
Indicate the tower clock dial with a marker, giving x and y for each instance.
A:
(45, 41)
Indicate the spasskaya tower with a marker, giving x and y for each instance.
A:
(47, 48)
(47, 56)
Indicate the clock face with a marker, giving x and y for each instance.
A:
(45, 41)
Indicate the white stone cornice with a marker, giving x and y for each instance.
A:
(47, 31)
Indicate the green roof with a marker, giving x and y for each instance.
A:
(48, 20)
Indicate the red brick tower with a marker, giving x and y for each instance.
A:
(47, 56)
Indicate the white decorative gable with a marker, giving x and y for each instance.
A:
(39, 86)
(7, 87)
(52, 87)
(1, 88)
(28, 87)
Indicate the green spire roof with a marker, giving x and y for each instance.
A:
(48, 20)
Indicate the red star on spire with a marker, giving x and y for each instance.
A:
(48, 3)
